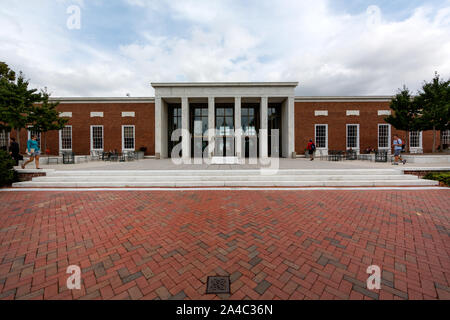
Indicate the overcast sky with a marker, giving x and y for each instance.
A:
(331, 47)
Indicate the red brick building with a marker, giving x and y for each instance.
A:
(335, 123)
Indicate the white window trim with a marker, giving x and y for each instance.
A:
(123, 137)
(420, 147)
(8, 138)
(389, 137)
(326, 135)
(92, 138)
(357, 135)
(71, 139)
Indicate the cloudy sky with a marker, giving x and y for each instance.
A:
(331, 47)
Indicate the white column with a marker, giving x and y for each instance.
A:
(237, 127)
(263, 136)
(186, 137)
(291, 126)
(211, 125)
(158, 132)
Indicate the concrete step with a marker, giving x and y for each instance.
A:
(308, 177)
(235, 183)
(285, 172)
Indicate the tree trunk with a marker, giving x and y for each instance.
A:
(406, 141)
(45, 143)
(434, 139)
(441, 140)
(18, 137)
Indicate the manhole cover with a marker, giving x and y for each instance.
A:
(218, 285)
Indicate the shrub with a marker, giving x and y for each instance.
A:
(7, 173)
(443, 177)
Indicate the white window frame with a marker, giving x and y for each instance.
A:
(29, 136)
(92, 138)
(123, 137)
(326, 136)
(7, 137)
(420, 147)
(71, 139)
(389, 136)
(357, 136)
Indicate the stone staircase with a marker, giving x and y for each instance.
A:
(225, 178)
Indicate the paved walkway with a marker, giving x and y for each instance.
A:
(273, 244)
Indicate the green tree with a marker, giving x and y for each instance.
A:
(16, 100)
(44, 117)
(406, 113)
(434, 100)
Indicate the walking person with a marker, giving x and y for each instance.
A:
(34, 151)
(398, 146)
(14, 150)
(311, 149)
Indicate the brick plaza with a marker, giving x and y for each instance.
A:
(273, 244)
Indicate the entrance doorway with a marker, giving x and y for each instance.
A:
(199, 129)
(274, 122)
(250, 128)
(224, 141)
(174, 123)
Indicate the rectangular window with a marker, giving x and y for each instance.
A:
(321, 136)
(65, 138)
(128, 138)
(446, 137)
(384, 136)
(415, 139)
(4, 139)
(96, 137)
(352, 136)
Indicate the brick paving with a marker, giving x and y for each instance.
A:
(272, 244)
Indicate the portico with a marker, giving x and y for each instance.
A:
(224, 119)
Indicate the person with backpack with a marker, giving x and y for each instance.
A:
(311, 149)
(398, 148)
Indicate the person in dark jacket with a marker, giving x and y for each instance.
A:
(14, 150)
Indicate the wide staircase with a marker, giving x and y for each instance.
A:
(225, 178)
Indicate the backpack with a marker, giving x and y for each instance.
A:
(313, 147)
(403, 146)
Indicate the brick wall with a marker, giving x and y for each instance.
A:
(112, 121)
(337, 119)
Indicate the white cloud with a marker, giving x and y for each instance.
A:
(329, 53)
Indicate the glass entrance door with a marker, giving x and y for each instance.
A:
(274, 122)
(250, 128)
(224, 141)
(174, 123)
(199, 129)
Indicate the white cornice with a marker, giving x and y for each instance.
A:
(223, 84)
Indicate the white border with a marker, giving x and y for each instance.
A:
(103, 137)
(71, 139)
(357, 135)
(389, 137)
(416, 149)
(326, 135)
(123, 138)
